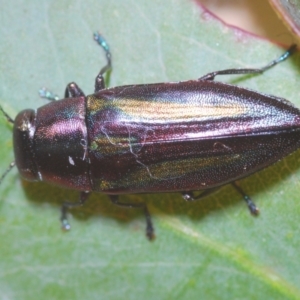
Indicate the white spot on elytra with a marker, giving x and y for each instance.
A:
(71, 161)
(40, 176)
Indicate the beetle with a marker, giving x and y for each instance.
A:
(194, 135)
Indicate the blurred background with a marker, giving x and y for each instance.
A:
(256, 16)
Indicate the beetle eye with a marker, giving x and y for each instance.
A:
(24, 129)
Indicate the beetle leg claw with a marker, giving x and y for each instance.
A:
(251, 205)
(188, 196)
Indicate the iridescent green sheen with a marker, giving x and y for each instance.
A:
(184, 136)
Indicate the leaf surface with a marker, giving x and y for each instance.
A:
(211, 248)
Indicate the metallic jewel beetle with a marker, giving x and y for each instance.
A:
(165, 137)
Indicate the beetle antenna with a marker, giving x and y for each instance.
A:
(284, 56)
(9, 119)
(102, 42)
(47, 94)
(11, 165)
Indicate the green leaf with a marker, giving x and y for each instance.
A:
(211, 249)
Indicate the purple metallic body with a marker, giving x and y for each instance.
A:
(164, 137)
(156, 138)
(184, 136)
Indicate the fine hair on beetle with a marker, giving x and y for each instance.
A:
(187, 136)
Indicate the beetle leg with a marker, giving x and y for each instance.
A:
(99, 81)
(149, 226)
(284, 56)
(251, 205)
(73, 90)
(66, 205)
(188, 196)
